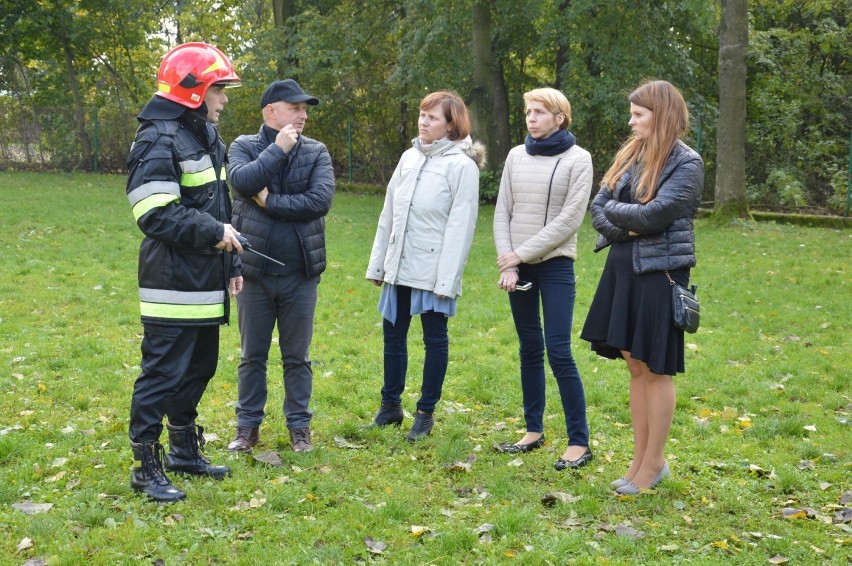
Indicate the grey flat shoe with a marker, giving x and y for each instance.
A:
(631, 488)
(619, 482)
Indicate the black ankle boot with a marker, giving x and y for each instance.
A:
(389, 414)
(185, 456)
(148, 476)
(422, 426)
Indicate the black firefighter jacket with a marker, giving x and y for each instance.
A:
(301, 188)
(176, 188)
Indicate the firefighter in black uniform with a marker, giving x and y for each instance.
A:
(188, 262)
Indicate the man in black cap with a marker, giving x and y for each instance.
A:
(284, 185)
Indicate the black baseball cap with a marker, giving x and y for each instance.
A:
(287, 90)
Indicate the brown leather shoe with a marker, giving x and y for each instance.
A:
(245, 439)
(300, 438)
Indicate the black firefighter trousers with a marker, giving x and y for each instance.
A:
(177, 364)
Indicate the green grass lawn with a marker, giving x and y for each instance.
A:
(759, 451)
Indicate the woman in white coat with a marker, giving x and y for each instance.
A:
(543, 197)
(422, 242)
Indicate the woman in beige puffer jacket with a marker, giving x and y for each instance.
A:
(543, 197)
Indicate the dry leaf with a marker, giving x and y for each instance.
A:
(778, 559)
(845, 497)
(628, 531)
(26, 543)
(30, 508)
(419, 530)
(270, 457)
(844, 515)
(459, 466)
(517, 463)
(343, 443)
(794, 513)
(554, 497)
(484, 528)
(669, 547)
(722, 544)
(375, 546)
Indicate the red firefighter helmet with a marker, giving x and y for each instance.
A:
(188, 70)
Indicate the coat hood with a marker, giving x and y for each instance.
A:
(473, 149)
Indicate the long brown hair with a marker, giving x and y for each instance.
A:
(671, 122)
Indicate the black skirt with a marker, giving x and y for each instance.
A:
(633, 313)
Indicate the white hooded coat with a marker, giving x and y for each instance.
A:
(426, 226)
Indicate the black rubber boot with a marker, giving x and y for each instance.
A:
(389, 414)
(422, 427)
(185, 456)
(148, 476)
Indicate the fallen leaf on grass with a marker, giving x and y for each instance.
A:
(758, 471)
(375, 546)
(845, 497)
(721, 544)
(844, 515)
(254, 503)
(807, 464)
(571, 523)
(41, 561)
(419, 530)
(484, 528)
(554, 497)
(270, 457)
(30, 508)
(624, 530)
(670, 548)
(517, 463)
(810, 428)
(778, 559)
(462, 466)
(343, 443)
(794, 513)
(25, 544)
(823, 485)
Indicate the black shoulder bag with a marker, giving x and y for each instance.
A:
(685, 308)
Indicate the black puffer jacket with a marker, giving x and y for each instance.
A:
(301, 188)
(666, 238)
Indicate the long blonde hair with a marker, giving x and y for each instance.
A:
(671, 122)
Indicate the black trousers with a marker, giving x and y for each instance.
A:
(177, 364)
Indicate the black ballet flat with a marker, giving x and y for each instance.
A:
(562, 464)
(521, 448)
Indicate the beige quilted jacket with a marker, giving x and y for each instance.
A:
(541, 203)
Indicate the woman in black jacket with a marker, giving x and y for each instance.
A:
(644, 209)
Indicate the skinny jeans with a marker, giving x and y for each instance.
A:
(552, 295)
(436, 345)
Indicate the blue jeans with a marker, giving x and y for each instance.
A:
(437, 346)
(288, 301)
(553, 283)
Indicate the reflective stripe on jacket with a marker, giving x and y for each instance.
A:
(177, 191)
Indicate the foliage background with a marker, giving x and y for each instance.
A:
(74, 73)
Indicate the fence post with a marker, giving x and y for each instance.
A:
(349, 142)
(95, 144)
(849, 178)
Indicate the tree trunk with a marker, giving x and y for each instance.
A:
(730, 194)
(79, 107)
(282, 11)
(499, 120)
(482, 99)
(562, 47)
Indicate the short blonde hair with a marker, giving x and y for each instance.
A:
(553, 100)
